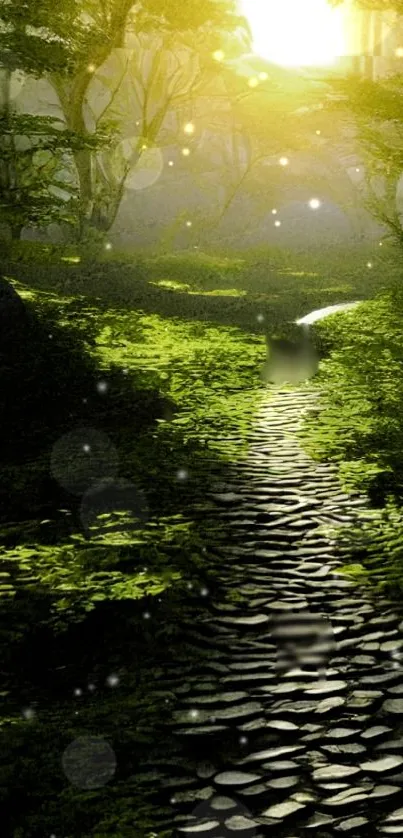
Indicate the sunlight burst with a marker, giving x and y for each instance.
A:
(296, 33)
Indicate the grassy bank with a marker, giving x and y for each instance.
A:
(359, 425)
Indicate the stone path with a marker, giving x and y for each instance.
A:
(264, 749)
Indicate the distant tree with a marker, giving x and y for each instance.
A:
(149, 91)
(375, 109)
(36, 152)
(103, 29)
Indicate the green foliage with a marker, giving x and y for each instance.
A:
(359, 420)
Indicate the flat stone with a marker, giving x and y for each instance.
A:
(205, 770)
(342, 733)
(383, 765)
(281, 724)
(333, 772)
(281, 766)
(273, 753)
(227, 497)
(240, 823)
(363, 699)
(194, 796)
(375, 732)
(200, 731)
(330, 703)
(347, 798)
(283, 782)
(240, 711)
(353, 824)
(391, 645)
(254, 793)
(318, 820)
(326, 687)
(382, 679)
(344, 750)
(396, 690)
(385, 791)
(297, 708)
(200, 829)
(391, 745)
(247, 622)
(236, 778)
(283, 810)
(395, 817)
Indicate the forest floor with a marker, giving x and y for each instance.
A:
(97, 612)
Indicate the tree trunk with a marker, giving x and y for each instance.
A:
(16, 232)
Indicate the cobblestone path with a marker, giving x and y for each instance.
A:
(270, 749)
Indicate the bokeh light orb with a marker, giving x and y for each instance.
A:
(147, 168)
(81, 458)
(89, 762)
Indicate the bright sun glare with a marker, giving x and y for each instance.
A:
(296, 32)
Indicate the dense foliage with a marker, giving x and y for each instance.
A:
(359, 421)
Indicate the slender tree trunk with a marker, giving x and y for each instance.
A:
(16, 231)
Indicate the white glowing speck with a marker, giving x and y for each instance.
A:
(194, 714)
(186, 152)
(380, 244)
(369, 264)
(357, 169)
(318, 132)
(87, 448)
(91, 68)
(204, 592)
(182, 474)
(315, 203)
(91, 687)
(108, 246)
(78, 692)
(188, 223)
(173, 800)
(399, 52)
(190, 585)
(85, 401)
(112, 680)
(263, 76)
(50, 337)
(219, 55)
(277, 223)
(28, 713)
(274, 212)
(147, 615)
(102, 386)
(260, 318)
(253, 82)
(243, 740)
(284, 161)
(189, 128)
(170, 162)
